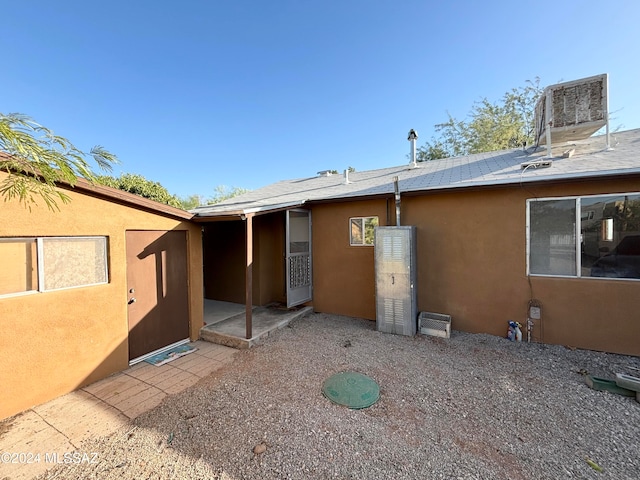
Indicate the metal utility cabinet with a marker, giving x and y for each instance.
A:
(395, 268)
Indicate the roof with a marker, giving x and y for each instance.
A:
(130, 199)
(120, 196)
(590, 158)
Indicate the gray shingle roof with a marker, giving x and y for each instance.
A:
(590, 159)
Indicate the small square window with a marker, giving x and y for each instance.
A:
(361, 230)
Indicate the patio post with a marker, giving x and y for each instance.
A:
(249, 276)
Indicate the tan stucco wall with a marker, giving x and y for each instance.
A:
(472, 265)
(55, 342)
(343, 275)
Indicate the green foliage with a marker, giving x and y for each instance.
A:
(369, 230)
(222, 193)
(36, 160)
(192, 201)
(138, 185)
(506, 124)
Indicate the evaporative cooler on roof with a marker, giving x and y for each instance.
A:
(572, 110)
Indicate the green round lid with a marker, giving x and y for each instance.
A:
(351, 389)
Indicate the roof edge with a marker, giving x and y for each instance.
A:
(120, 196)
(247, 211)
(132, 199)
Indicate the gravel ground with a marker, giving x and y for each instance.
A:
(473, 406)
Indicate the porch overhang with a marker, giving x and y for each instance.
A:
(246, 215)
(220, 214)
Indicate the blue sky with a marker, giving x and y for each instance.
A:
(197, 94)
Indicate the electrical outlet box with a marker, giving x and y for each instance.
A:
(534, 313)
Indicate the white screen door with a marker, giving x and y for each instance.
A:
(299, 288)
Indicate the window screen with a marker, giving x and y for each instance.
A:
(73, 262)
(594, 236)
(553, 237)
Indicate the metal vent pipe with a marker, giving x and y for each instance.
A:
(413, 136)
(397, 195)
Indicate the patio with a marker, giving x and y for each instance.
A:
(60, 426)
(225, 322)
(50, 430)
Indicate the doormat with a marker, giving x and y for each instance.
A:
(169, 355)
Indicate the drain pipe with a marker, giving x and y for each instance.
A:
(606, 109)
(397, 195)
(548, 117)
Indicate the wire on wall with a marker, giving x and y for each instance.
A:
(534, 315)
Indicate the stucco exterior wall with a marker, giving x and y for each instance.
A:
(269, 267)
(472, 266)
(343, 275)
(224, 274)
(55, 342)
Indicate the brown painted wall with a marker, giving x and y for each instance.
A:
(224, 260)
(270, 251)
(55, 342)
(343, 276)
(472, 265)
(225, 273)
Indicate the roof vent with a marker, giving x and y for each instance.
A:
(537, 164)
(572, 110)
(325, 173)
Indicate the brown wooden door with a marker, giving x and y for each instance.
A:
(157, 290)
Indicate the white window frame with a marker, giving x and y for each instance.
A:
(364, 221)
(577, 234)
(41, 280)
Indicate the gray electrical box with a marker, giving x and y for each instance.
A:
(395, 267)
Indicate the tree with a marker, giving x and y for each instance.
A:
(508, 123)
(192, 201)
(138, 185)
(222, 193)
(36, 161)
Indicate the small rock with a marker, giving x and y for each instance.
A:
(260, 448)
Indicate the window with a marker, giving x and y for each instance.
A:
(595, 236)
(361, 230)
(51, 263)
(19, 272)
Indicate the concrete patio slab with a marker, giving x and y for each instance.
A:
(232, 331)
(39, 438)
(216, 310)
